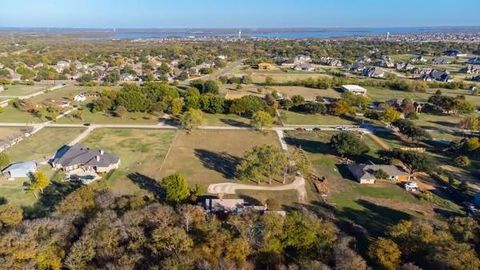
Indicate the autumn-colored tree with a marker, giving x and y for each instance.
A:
(39, 182)
(10, 215)
(262, 120)
(385, 253)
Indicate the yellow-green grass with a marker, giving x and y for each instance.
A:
(382, 94)
(294, 118)
(283, 76)
(107, 118)
(210, 156)
(43, 144)
(439, 126)
(15, 191)
(141, 153)
(13, 115)
(225, 120)
(22, 90)
(287, 91)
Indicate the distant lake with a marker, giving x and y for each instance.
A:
(281, 33)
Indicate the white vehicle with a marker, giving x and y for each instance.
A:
(411, 186)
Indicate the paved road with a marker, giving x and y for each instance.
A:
(231, 188)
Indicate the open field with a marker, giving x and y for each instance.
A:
(294, 118)
(258, 197)
(43, 144)
(287, 91)
(141, 152)
(207, 157)
(106, 118)
(68, 92)
(22, 90)
(279, 76)
(13, 115)
(374, 207)
(382, 94)
(440, 127)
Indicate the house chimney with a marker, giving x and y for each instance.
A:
(98, 158)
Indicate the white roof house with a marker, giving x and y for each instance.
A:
(355, 89)
(80, 97)
(20, 169)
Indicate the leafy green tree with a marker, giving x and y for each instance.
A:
(176, 106)
(348, 144)
(462, 161)
(164, 68)
(191, 119)
(176, 188)
(4, 160)
(420, 162)
(262, 161)
(262, 120)
(413, 132)
(269, 80)
(385, 253)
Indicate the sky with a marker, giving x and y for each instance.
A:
(237, 13)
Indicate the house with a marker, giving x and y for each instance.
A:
(230, 205)
(61, 66)
(386, 62)
(301, 59)
(402, 66)
(418, 59)
(357, 68)
(373, 72)
(20, 169)
(364, 59)
(70, 158)
(355, 89)
(365, 174)
(471, 69)
(454, 53)
(328, 61)
(476, 79)
(80, 97)
(439, 61)
(474, 61)
(305, 67)
(264, 66)
(436, 75)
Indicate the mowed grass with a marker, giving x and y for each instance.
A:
(287, 91)
(280, 76)
(141, 152)
(43, 144)
(225, 120)
(383, 94)
(439, 126)
(7, 133)
(13, 115)
(373, 206)
(210, 156)
(294, 118)
(107, 118)
(22, 90)
(285, 198)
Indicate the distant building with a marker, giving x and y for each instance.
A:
(230, 205)
(418, 59)
(439, 61)
(300, 59)
(355, 89)
(264, 66)
(474, 61)
(365, 174)
(373, 72)
(20, 170)
(437, 76)
(80, 97)
(305, 67)
(454, 53)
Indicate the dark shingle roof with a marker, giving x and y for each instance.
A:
(83, 156)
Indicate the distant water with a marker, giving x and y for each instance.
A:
(284, 33)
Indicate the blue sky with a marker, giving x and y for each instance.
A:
(237, 13)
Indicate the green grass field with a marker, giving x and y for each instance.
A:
(225, 120)
(13, 115)
(293, 118)
(7, 133)
(22, 90)
(106, 118)
(43, 144)
(382, 94)
(141, 152)
(282, 76)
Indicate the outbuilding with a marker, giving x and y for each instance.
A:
(20, 169)
(355, 89)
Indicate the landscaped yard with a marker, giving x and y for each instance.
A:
(22, 90)
(293, 118)
(141, 152)
(43, 144)
(207, 156)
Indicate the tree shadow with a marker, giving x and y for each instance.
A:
(234, 123)
(51, 196)
(223, 163)
(309, 145)
(444, 123)
(149, 184)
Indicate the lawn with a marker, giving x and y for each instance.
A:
(258, 197)
(43, 144)
(439, 126)
(141, 153)
(282, 76)
(22, 90)
(372, 206)
(287, 91)
(206, 156)
(382, 94)
(293, 118)
(13, 115)
(7, 133)
(106, 118)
